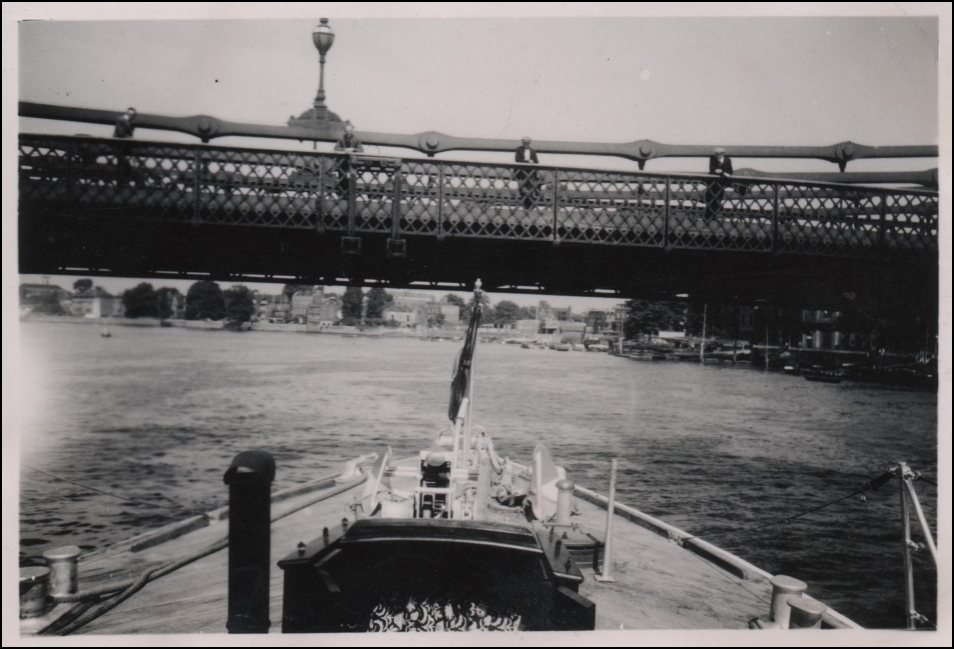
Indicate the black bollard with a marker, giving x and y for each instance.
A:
(250, 508)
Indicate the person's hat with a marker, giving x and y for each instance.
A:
(720, 149)
(525, 140)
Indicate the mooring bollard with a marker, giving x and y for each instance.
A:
(605, 574)
(806, 613)
(250, 508)
(34, 589)
(63, 564)
(564, 501)
(784, 590)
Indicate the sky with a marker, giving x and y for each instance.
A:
(705, 80)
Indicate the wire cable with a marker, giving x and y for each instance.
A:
(869, 485)
(177, 508)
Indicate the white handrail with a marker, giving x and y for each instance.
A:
(921, 519)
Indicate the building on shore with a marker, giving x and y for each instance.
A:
(399, 316)
(571, 332)
(306, 304)
(44, 298)
(436, 313)
(527, 327)
(96, 303)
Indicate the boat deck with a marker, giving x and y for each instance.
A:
(660, 584)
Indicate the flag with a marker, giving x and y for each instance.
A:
(461, 377)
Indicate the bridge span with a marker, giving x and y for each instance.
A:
(147, 209)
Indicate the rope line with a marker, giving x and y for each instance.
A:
(178, 508)
(869, 485)
(138, 585)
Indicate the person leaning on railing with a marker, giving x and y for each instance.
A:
(527, 179)
(347, 143)
(719, 165)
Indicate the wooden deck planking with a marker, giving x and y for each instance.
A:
(194, 599)
(660, 585)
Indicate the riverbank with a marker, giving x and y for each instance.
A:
(215, 325)
(446, 334)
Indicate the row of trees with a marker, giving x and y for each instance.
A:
(651, 317)
(204, 300)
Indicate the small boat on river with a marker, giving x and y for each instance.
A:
(822, 376)
(456, 537)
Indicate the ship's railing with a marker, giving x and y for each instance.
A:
(909, 500)
(406, 197)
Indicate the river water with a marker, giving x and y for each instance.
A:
(156, 414)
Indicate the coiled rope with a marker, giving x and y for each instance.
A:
(134, 587)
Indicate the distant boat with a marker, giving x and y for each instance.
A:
(237, 325)
(562, 347)
(822, 376)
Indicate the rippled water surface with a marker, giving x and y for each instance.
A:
(156, 414)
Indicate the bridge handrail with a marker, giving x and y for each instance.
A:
(463, 198)
(701, 177)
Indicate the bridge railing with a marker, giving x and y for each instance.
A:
(407, 197)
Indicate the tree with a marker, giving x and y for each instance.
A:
(141, 302)
(721, 320)
(486, 313)
(378, 301)
(596, 320)
(506, 313)
(204, 300)
(82, 285)
(47, 304)
(351, 304)
(543, 310)
(435, 319)
(290, 289)
(168, 297)
(527, 313)
(457, 301)
(649, 317)
(239, 305)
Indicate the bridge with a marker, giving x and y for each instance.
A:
(147, 209)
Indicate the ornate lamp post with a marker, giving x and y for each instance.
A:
(324, 37)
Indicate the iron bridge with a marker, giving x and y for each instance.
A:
(146, 209)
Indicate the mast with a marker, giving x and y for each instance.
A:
(462, 385)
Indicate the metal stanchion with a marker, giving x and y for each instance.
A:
(606, 575)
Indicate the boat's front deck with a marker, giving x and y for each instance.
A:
(659, 584)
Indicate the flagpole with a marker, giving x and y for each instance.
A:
(468, 423)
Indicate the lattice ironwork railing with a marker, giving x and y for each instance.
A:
(355, 194)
